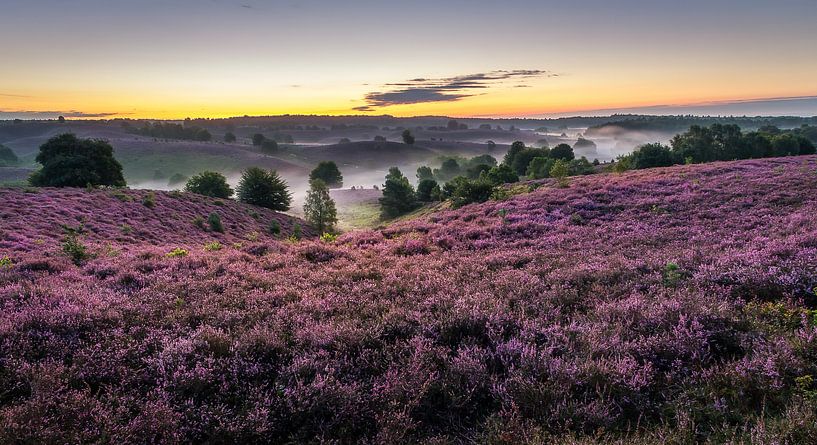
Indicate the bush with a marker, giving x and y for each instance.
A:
(539, 167)
(198, 221)
(177, 253)
(560, 171)
(229, 137)
(149, 200)
(213, 246)
(462, 191)
(328, 172)
(424, 172)
(209, 183)
(264, 188)
(274, 228)
(501, 174)
(428, 190)
(215, 223)
(74, 249)
(71, 162)
(523, 158)
(398, 195)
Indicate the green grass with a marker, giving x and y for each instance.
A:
(364, 215)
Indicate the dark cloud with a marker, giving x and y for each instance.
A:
(28, 114)
(423, 90)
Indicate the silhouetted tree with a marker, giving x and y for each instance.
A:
(424, 172)
(269, 146)
(258, 139)
(408, 138)
(71, 162)
(229, 137)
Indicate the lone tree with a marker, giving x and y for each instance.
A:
(407, 137)
(264, 188)
(398, 195)
(72, 162)
(258, 139)
(209, 183)
(229, 137)
(328, 172)
(319, 208)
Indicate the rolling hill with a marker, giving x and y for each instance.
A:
(664, 305)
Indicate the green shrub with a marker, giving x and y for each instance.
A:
(209, 183)
(198, 221)
(126, 229)
(560, 170)
(329, 238)
(177, 253)
(264, 188)
(6, 263)
(214, 220)
(149, 200)
(274, 228)
(74, 249)
(213, 246)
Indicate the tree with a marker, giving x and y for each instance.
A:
(475, 171)
(398, 195)
(229, 137)
(269, 146)
(651, 155)
(560, 170)
(563, 152)
(264, 188)
(453, 125)
(209, 183)
(449, 169)
(539, 167)
(428, 190)
(319, 208)
(424, 172)
(583, 143)
(523, 158)
(329, 173)
(407, 137)
(464, 191)
(516, 148)
(72, 162)
(258, 139)
(61, 119)
(501, 174)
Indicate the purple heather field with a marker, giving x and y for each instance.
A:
(670, 305)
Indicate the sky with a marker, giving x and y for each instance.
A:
(465, 58)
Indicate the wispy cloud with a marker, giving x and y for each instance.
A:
(449, 89)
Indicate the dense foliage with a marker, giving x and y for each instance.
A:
(329, 173)
(264, 188)
(209, 183)
(398, 195)
(657, 306)
(68, 161)
(721, 143)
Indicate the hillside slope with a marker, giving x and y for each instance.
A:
(36, 219)
(667, 305)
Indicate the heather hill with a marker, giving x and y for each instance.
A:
(671, 305)
(37, 219)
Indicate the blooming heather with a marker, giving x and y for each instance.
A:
(677, 305)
